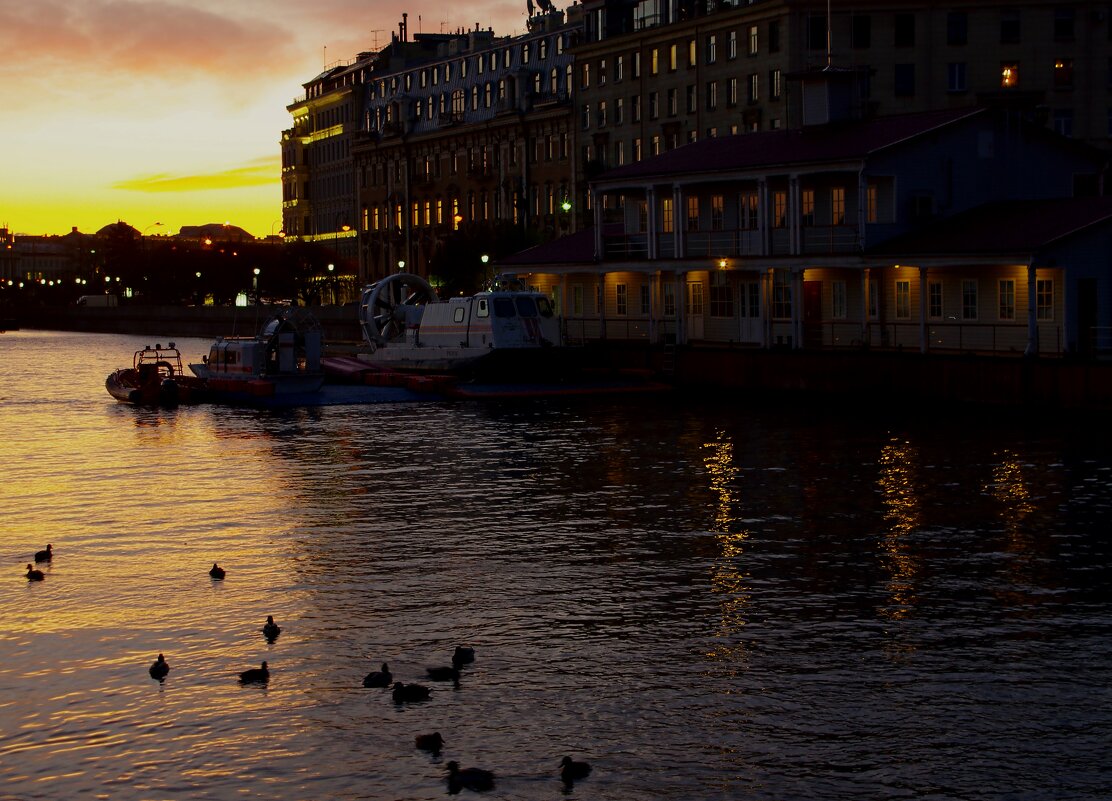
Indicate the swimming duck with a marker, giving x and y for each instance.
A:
(430, 742)
(270, 628)
(34, 575)
(159, 668)
(570, 771)
(217, 571)
(379, 678)
(464, 655)
(474, 779)
(257, 675)
(410, 692)
(444, 673)
(45, 556)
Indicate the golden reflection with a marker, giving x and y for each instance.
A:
(1009, 487)
(897, 484)
(728, 580)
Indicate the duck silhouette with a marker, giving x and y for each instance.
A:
(379, 678)
(217, 571)
(34, 575)
(464, 655)
(45, 556)
(271, 629)
(474, 779)
(259, 675)
(430, 742)
(571, 770)
(159, 668)
(410, 692)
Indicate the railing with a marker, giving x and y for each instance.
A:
(578, 330)
(982, 338)
(830, 239)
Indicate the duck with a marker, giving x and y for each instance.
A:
(474, 779)
(571, 770)
(45, 556)
(34, 575)
(270, 628)
(464, 655)
(444, 673)
(430, 742)
(379, 678)
(159, 668)
(217, 571)
(256, 675)
(410, 692)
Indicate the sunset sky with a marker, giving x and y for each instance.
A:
(166, 111)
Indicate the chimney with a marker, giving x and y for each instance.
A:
(404, 28)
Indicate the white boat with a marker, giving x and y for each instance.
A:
(283, 358)
(406, 327)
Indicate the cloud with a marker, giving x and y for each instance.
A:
(260, 172)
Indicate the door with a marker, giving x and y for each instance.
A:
(694, 310)
(812, 314)
(750, 321)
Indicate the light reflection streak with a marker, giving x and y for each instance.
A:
(728, 580)
(902, 512)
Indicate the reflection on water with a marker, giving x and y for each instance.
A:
(704, 600)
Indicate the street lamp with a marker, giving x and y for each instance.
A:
(255, 284)
(331, 285)
(401, 265)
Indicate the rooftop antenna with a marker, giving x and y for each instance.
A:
(325, 57)
(374, 37)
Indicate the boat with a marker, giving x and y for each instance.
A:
(284, 358)
(155, 378)
(406, 327)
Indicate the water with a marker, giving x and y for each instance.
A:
(704, 599)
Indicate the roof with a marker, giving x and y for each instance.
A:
(833, 142)
(1005, 227)
(574, 248)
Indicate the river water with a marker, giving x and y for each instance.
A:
(706, 598)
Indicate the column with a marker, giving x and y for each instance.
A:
(1032, 312)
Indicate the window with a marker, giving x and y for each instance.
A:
(669, 299)
(602, 72)
(693, 214)
(619, 68)
(754, 40)
(905, 30)
(934, 300)
(577, 299)
(807, 207)
(1063, 73)
(712, 48)
(904, 80)
(838, 205)
(1007, 299)
(712, 95)
(602, 114)
(969, 299)
(585, 76)
(754, 87)
(673, 57)
(872, 210)
(955, 77)
(717, 212)
(654, 105)
(1063, 24)
(646, 301)
(1009, 27)
(1009, 74)
(781, 294)
(695, 298)
(731, 46)
(957, 28)
(654, 145)
(1044, 299)
(903, 300)
(721, 296)
(654, 62)
(621, 299)
(780, 209)
(636, 64)
(774, 37)
(747, 211)
(838, 305)
(619, 111)
(731, 92)
(691, 53)
(1063, 121)
(666, 220)
(874, 300)
(775, 84)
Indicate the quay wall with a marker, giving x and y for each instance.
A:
(867, 378)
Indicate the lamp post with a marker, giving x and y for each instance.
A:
(331, 285)
(255, 284)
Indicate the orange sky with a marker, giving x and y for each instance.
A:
(166, 111)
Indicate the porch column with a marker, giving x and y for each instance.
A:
(865, 306)
(653, 279)
(600, 299)
(768, 278)
(596, 209)
(797, 308)
(650, 203)
(924, 334)
(1032, 312)
(763, 212)
(795, 211)
(679, 221)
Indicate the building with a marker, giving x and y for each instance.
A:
(967, 230)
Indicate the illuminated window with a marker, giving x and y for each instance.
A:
(808, 207)
(1009, 74)
(712, 48)
(693, 214)
(838, 206)
(747, 211)
(654, 61)
(934, 300)
(668, 290)
(717, 212)
(779, 209)
(621, 299)
(871, 208)
(1063, 73)
(903, 300)
(1044, 299)
(695, 298)
(666, 220)
(673, 57)
(1007, 299)
(838, 305)
(754, 40)
(781, 294)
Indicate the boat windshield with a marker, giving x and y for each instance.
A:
(544, 306)
(526, 307)
(503, 307)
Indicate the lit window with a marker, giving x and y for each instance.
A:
(1009, 74)
(1044, 299)
(903, 300)
(1007, 299)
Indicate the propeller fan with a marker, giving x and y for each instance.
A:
(386, 303)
